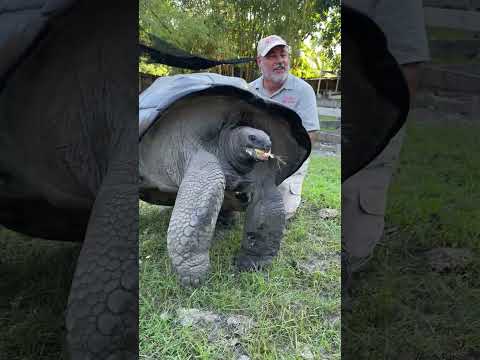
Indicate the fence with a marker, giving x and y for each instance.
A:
(452, 88)
(325, 85)
(319, 85)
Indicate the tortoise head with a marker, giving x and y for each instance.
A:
(243, 146)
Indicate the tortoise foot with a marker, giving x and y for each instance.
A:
(252, 263)
(194, 272)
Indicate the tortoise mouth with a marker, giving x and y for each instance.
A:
(259, 154)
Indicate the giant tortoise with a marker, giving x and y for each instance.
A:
(68, 155)
(206, 137)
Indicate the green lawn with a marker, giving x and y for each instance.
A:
(292, 309)
(401, 308)
(438, 33)
(34, 285)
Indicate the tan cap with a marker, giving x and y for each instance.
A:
(268, 43)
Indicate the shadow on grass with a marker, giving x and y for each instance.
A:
(402, 308)
(35, 283)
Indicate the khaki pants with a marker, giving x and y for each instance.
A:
(364, 198)
(291, 189)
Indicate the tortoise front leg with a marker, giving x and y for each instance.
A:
(102, 314)
(264, 228)
(194, 215)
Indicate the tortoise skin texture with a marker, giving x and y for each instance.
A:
(68, 156)
(199, 154)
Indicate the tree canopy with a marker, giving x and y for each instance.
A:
(225, 29)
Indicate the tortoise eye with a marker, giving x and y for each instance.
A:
(252, 137)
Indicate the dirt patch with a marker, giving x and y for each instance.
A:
(318, 263)
(221, 328)
(448, 259)
(328, 214)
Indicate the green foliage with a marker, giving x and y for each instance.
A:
(307, 65)
(153, 69)
(329, 39)
(221, 29)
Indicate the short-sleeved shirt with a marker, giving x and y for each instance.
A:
(297, 95)
(403, 24)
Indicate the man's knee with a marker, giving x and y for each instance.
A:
(363, 216)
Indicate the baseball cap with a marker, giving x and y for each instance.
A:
(269, 42)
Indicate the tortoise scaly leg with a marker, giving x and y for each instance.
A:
(264, 227)
(194, 215)
(102, 314)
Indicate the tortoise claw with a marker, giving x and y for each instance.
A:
(192, 281)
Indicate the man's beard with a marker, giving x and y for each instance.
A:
(276, 78)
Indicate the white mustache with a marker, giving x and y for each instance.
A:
(279, 67)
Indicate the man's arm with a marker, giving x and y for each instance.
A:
(410, 71)
(307, 110)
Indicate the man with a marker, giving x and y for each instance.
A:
(276, 83)
(364, 194)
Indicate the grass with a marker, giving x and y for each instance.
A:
(34, 286)
(328, 124)
(401, 308)
(329, 128)
(291, 308)
(36, 276)
(326, 118)
(439, 33)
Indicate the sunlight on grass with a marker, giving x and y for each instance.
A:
(291, 308)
